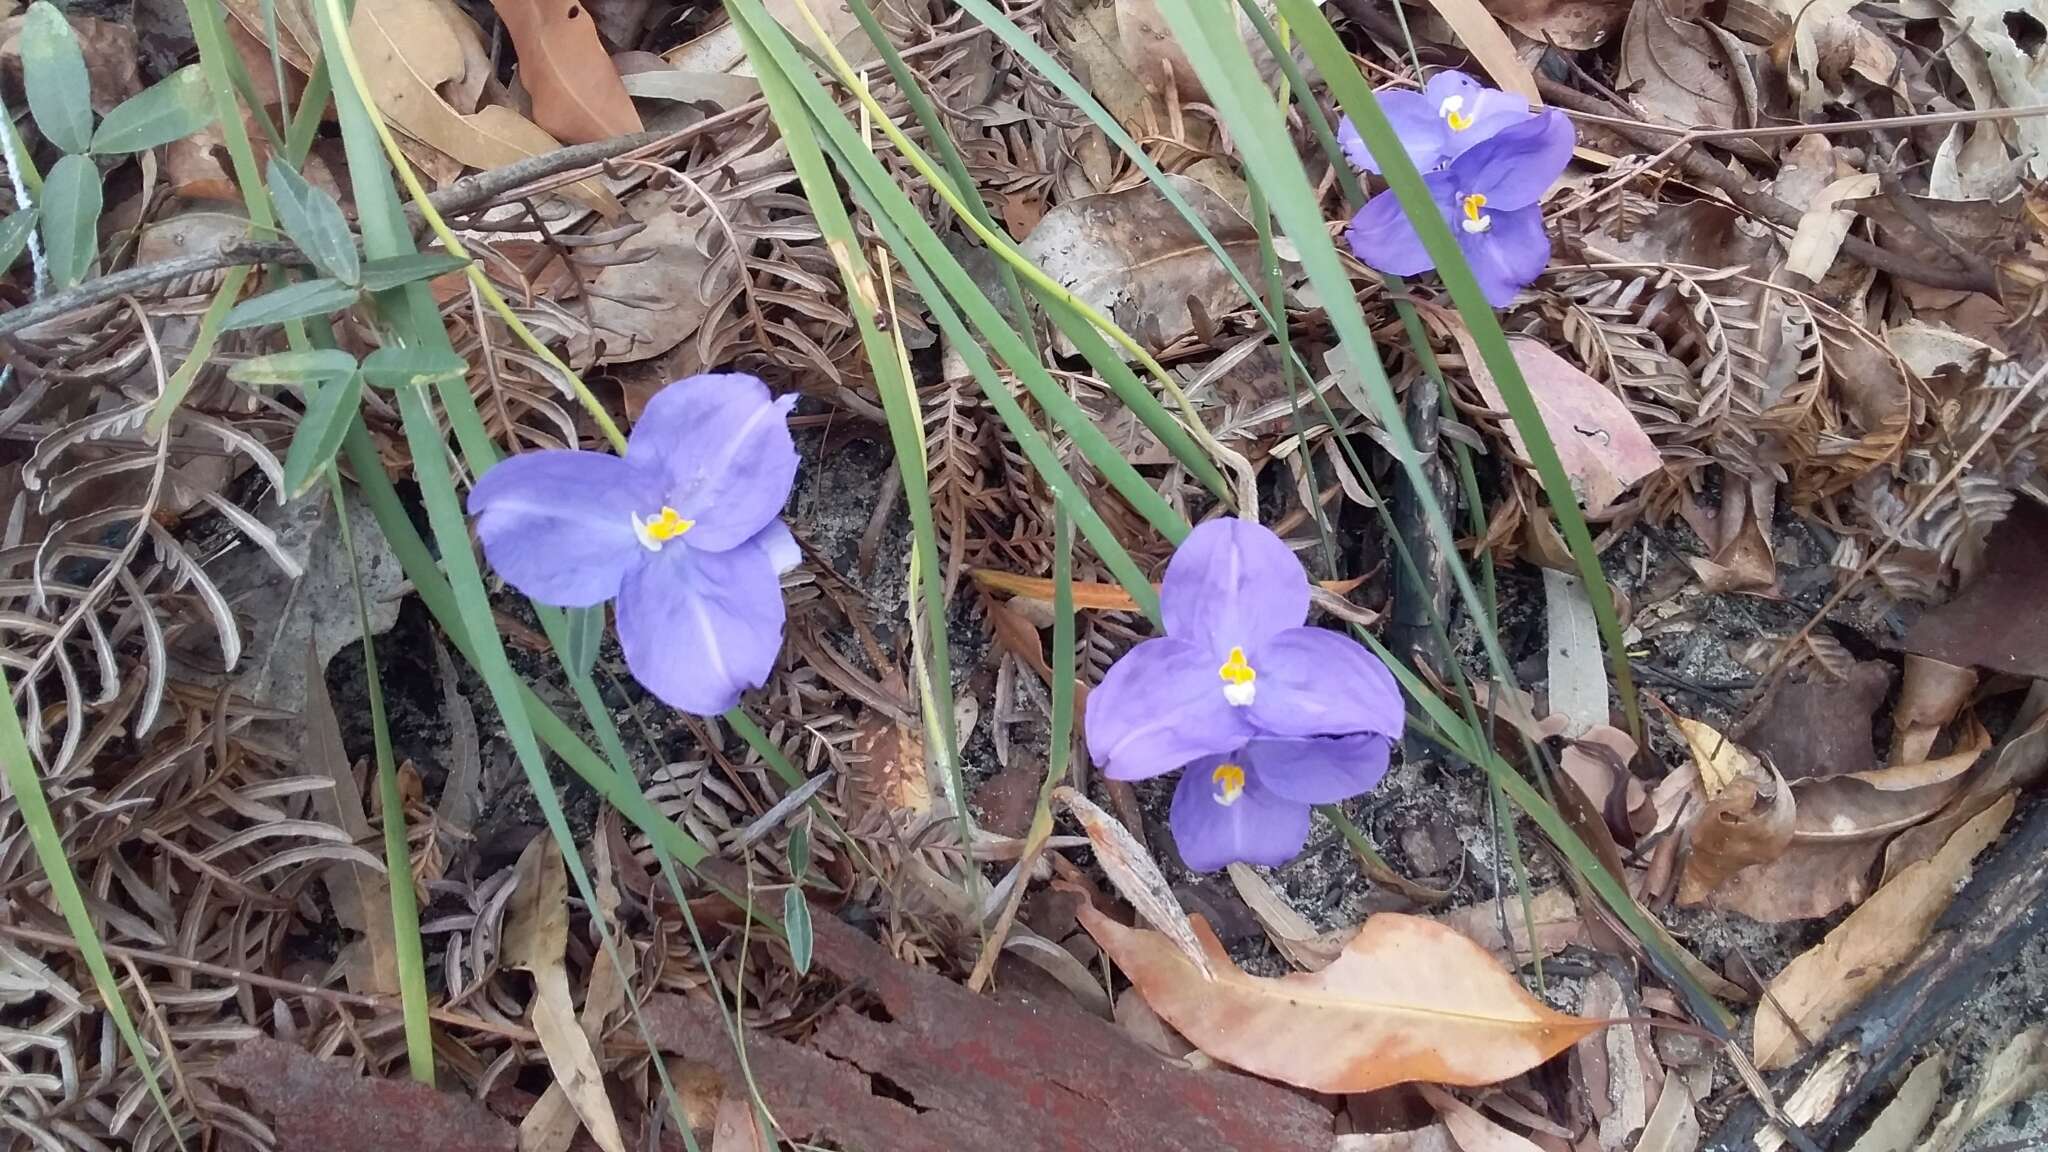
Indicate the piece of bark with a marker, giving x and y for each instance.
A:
(317, 1106)
(2004, 906)
(928, 1066)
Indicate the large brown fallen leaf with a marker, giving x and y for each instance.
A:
(1408, 1000)
(576, 91)
(1990, 623)
(1603, 448)
(1573, 24)
(1818, 725)
(1688, 73)
(1822, 985)
(1131, 256)
(653, 290)
(409, 49)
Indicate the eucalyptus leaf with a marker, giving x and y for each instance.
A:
(54, 77)
(308, 368)
(300, 301)
(315, 223)
(170, 109)
(14, 234)
(329, 411)
(71, 219)
(396, 271)
(796, 921)
(393, 367)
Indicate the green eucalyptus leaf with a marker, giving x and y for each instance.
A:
(329, 410)
(170, 109)
(396, 271)
(71, 219)
(303, 369)
(796, 921)
(300, 301)
(315, 223)
(395, 368)
(53, 75)
(14, 234)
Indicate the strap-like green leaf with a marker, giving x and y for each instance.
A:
(71, 219)
(170, 109)
(53, 74)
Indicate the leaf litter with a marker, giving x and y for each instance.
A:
(1814, 422)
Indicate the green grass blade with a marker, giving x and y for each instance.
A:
(27, 788)
(405, 909)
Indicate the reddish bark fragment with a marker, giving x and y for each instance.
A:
(316, 1106)
(932, 1067)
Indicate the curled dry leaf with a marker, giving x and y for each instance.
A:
(1290, 931)
(1931, 695)
(577, 96)
(655, 288)
(1603, 448)
(1131, 256)
(2020, 763)
(1469, 1128)
(1674, 1123)
(1822, 985)
(1749, 820)
(1688, 73)
(1137, 877)
(1407, 1000)
(1557, 919)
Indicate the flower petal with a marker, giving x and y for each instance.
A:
(1451, 83)
(1516, 165)
(725, 448)
(1491, 111)
(1315, 682)
(558, 525)
(700, 628)
(1258, 827)
(1416, 124)
(1230, 584)
(780, 545)
(1317, 771)
(1382, 236)
(1508, 256)
(1159, 707)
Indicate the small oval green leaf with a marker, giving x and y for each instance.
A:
(393, 368)
(329, 412)
(53, 74)
(71, 219)
(800, 849)
(291, 302)
(315, 223)
(311, 367)
(796, 921)
(170, 109)
(393, 271)
(14, 234)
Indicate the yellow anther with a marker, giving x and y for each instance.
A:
(664, 527)
(1229, 781)
(1473, 204)
(1457, 120)
(1238, 677)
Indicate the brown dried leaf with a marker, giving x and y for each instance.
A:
(1469, 1128)
(536, 935)
(2019, 764)
(1812, 728)
(1558, 926)
(1906, 1115)
(739, 1127)
(1603, 448)
(1674, 1123)
(1748, 821)
(1991, 623)
(1132, 256)
(1932, 694)
(1687, 72)
(1408, 1000)
(577, 96)
(1822, 985)
(1136, 876)
(2019, 1070)
(655, 288)
(1573, 24)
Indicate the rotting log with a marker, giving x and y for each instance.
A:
(913, 1062)
(2004, 906)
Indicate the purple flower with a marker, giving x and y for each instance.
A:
(1452, 113)
(1490, 196)
(1267, 715)
(682, 530)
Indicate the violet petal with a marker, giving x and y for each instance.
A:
(558, 524)
(1158, 708)
(700, 628)
(1230, 584)
(1315, 682)
(1509, 255)
(1383, 237)
(1416, 124)
(1518, 164)
(1322, 771)
(725, 448)
(1255, 827)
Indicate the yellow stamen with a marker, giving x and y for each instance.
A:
(1473, 204)
(668, 525)
(1229, 781)
(1457, 120)
(1238, 677)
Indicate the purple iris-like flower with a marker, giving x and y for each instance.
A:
(1268, 716)
(681, 530)
(1490, 195)
(1451, 114)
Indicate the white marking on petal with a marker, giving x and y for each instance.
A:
(1242, 694)
(1480, 223)
(644, 531)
